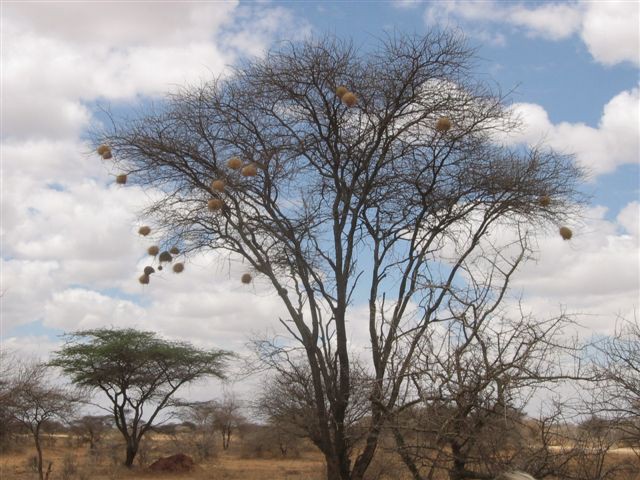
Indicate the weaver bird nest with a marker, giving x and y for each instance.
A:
(349, 99)
(148, 270)
(144, 231)
(165, 257)
(340, 91)
(566, 233)
(178, 267)
(121, 179)
(144, 279)
(153, 250)
(215, 204)
(234, 163)
(218, 185)
(174, 251)
(250, 170)
(246, 278)
(443, 124)
(545, 200)
(104, 151)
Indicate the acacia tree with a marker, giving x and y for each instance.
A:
(137, 371)
(34, 402)
(345, 198)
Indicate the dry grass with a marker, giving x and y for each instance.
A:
(233, 464)
(229, 465)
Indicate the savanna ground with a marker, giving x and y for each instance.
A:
(245, 459)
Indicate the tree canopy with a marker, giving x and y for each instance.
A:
(348, 178)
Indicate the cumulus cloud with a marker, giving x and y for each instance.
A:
(609, 29)
(68, 232)
(594, 276)
(615, 141)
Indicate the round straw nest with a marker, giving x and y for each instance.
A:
(144, 279)
(218, 185)
(144, 231)
(174, 251)
(250, 170)
(545, 201)
(234, 163)
(349, 99)
(148, 270)
(103, 149)
(153, 250)
(215, 204)
(246, 278)
(178, 267)
(165, 257)
(340, 91)
(443, 124)
(121, 179)
(566, 233)
(159, 268)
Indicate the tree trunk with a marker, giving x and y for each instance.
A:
(36, 437)
(337, 467)
(132, 450)
(459, 462)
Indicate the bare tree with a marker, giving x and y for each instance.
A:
(91, 428)
(228, 418)
(616, 364)
(344, 197)
(475, 373)
(34, 402)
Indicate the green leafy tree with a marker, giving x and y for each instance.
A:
(137, 371)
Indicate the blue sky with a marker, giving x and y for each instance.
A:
(70, 253)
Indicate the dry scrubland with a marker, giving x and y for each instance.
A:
(246, 459)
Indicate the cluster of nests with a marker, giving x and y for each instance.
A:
(218, 186)
(163, 257)
(105, 152)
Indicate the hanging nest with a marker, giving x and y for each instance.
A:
(121, 179)
(545, 201)
(250, 170)
(218, 185)
(349, 99)
(159, 268)
(340, 91)
(234, 163)
(566, 233)
(215, 204)
(178, 267)
(165, 257)
(144, 231)
(144, 279)
(148, 270)
(246, 278)
(103, 149)
(443, 124)
(153, 250)
(174, 251)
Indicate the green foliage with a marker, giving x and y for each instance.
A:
(135, 369)
(122, 358)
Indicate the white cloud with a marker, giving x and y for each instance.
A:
(614, 142)
(549, 20)
(609, 29)
(594, 275)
